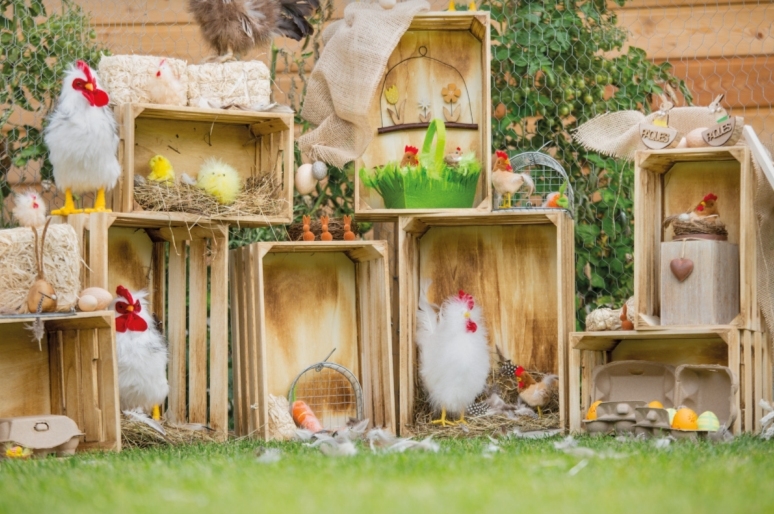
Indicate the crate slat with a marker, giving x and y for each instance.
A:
(176, 331)
(197, 331)
(219, 336)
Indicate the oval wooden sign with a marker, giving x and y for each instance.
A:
(658, 138)
(720, 134)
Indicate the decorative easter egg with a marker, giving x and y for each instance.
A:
(655, 404)
(305, 181)
(319, 170)
(102, 296)
(694, 139)
(592, 413)
(87, 303)
(685, 419)
(709, 422)
(671, 413)
(387, 4)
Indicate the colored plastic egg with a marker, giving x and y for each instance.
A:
(671, 413)
(709, 421)
(685, 419)
(592, 413)
(655, 404)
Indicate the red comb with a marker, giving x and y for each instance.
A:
(501, 154)
(519, 371)
(411, 149)
(86, 70)
(462, 295)
(710, 197)
(122, 291)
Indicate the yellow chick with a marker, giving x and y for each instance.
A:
(220, 180)
(161, 169)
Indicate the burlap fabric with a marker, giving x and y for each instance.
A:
(345, 78)
(617, 134)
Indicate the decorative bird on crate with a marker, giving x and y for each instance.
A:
(219, 180)
(82, 139)
(164, 86)
(142, 354)
(161, 169)
(29, 209)
(237, 26)
(453, 159)
(410, 156)
(506, 182)
(454, 361)
(535, 394)
(707, 208)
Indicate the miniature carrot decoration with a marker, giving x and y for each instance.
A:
(305, 418)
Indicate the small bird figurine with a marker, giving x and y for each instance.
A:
(29, 209)
(534, 393)
(453, 159)
(161, 169)
(625, 323)
(410, 156)
(348, 234)
(506, 182)
(308, 235)
(325, 235)
(220, 180)
(164, 86)
(82, 139)
(705, 209)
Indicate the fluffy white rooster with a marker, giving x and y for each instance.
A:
(454, 361)
(142, 354)
(82, 139)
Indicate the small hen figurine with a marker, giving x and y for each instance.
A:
(534, 393)
(164, 86)
(453, 159)
(506, 182)
(82, 139)
(141, 354)
(29, 209)
(410, 157)
(705, 209)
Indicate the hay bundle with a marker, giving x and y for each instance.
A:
(125, 77)
(335, 227)
(260, 196)
(241, 82)
(710, 226)
(136, 434)
(61, 265)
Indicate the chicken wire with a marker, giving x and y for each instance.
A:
(713, 45)
(331, 391)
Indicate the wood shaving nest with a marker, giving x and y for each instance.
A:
(136, 434)
(686, 228)
(261, 196)
(497, 425)
(335, 227)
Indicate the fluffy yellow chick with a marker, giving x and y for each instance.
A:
(161, 169)
(220, 180)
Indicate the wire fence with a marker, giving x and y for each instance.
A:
(556, 64)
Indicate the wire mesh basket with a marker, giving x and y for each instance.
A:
(331, 391)
(552, 186)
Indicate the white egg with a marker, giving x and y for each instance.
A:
(319, 170)
(683, 143)
(305, 181)
(387, 4)
(102, 296)
(87, 303)
(694, 139)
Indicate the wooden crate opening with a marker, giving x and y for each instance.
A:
(292, 304)
(670, 182)
(255, 144)
(74, 374)
(518, 266)
(442, 49)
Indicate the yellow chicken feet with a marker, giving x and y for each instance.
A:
(69, 206)
(99, 203)
(156, 412)
(540, 412)
(443, 421)
(507, 201)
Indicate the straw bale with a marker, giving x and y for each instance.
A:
(125, 77)
(61, 266)
(220, 84)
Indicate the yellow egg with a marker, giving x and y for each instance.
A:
(592, 413)
(685, 419)
(655, 404)
(709, 421)
(671, 413)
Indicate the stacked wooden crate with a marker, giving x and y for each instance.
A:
(711, 317)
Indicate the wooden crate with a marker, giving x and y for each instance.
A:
(185, 269)
(669, 182)
(746, 352)
(518, 266)
(73, 375)
(254, 143)
(460, 40)
(292, 303)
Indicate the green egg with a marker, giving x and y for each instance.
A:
(671, 415)
(708, 421)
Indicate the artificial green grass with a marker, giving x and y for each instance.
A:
(526, 476)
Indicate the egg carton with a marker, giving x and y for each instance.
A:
(651, 422)
(614, 418)
(43, 435)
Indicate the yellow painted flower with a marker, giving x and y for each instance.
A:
(451, 93)
(392, 94)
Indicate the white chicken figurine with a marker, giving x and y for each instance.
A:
(506, 182)
(29, 209)
(454, 361)
(164, 86)
(82, 139)
(142, 354)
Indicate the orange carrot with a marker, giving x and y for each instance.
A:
(305, 418)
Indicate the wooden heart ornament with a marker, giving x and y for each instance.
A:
(681, 268)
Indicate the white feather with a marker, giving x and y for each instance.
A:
(454, 363)
(82, 140)
(142, 362)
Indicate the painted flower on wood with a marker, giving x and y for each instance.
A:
(392, 96)
(451, 94)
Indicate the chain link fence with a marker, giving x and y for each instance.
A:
(556, 64)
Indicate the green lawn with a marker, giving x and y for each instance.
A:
(525, 476)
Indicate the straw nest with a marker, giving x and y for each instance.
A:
(136, 434)
(260, 196)
(711, 226)
(335, 227)
(493, 425)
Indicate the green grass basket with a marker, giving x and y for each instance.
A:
(431, 185)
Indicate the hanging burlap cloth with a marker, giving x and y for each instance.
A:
(345, 78)
(617, 134)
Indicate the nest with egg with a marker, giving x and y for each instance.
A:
(703, 227)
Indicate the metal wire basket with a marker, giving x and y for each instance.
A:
(331, 391)
(550, 180)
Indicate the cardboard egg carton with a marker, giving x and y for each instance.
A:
(614, 418)
(652, 422)
(43, 435)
